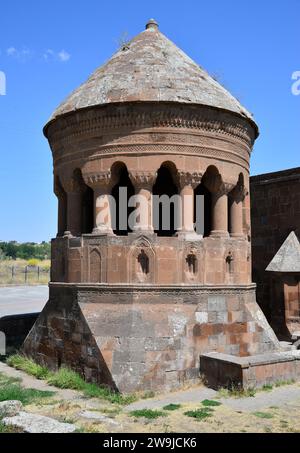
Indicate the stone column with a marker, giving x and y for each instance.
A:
(143, 183)
(101, 183)
(220, 211)
(74, 207)
(237, 196)
(62, 208)
(187, 183)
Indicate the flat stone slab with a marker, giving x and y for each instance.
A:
(223, 370)
(32, 423)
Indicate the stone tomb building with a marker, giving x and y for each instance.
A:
(134, 308)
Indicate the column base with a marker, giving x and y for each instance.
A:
(67, 234)
(102, 232)
(189, 236)
(237, 235)
(219, 234)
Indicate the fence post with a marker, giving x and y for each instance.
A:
(12, 272)
(38, 272)
(26, 270)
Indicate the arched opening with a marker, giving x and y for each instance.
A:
(143, 261)
(121, 192)
(165, 210)
(211, 183)
(202, 210)
(62, 206)
(191, 262)
(87, 210)
(95, 266)
(86, 215)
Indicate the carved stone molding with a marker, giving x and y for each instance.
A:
(99, 179)
(142, 179)
(189, 179)
(199, 118)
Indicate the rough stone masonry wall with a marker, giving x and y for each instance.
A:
(141, 338)
(275, 212)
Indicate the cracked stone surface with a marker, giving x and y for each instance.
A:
(32, 423)
(10, 408)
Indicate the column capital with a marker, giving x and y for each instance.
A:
(99, 179)
(238, 193)
(71, 185)
(186, 178)
(224, 189)
(142, 179)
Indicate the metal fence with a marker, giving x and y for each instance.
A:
(14, 274)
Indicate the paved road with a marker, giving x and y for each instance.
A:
(22, 299)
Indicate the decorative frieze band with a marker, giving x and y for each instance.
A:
(105, 121)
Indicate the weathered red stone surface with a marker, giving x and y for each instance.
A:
(134, 309)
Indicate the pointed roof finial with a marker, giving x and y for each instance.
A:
(152, 24)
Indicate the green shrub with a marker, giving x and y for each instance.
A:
(210, 403)
(147, 413)
(263, 414)
(65, 378)
(200, 414)
(172, 407)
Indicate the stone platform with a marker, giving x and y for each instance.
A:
(224, 370)
(139, 337)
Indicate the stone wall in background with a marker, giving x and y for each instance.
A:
(275, 212)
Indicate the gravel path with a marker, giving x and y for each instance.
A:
(277, 397)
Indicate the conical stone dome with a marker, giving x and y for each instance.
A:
(150, 68)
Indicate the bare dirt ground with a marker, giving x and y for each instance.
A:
(276, 410)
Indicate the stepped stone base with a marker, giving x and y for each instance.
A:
(143, 337)
(223, 370)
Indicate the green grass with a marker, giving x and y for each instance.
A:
(29, 366)
(172, 407)
(208, 403)
(11, 389)
(263, 414)
(65, 378)
(267, 387)
(200, 414)
(282, 382)
(147, 413)
(236, 392)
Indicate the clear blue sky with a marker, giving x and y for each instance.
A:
(48, 48)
